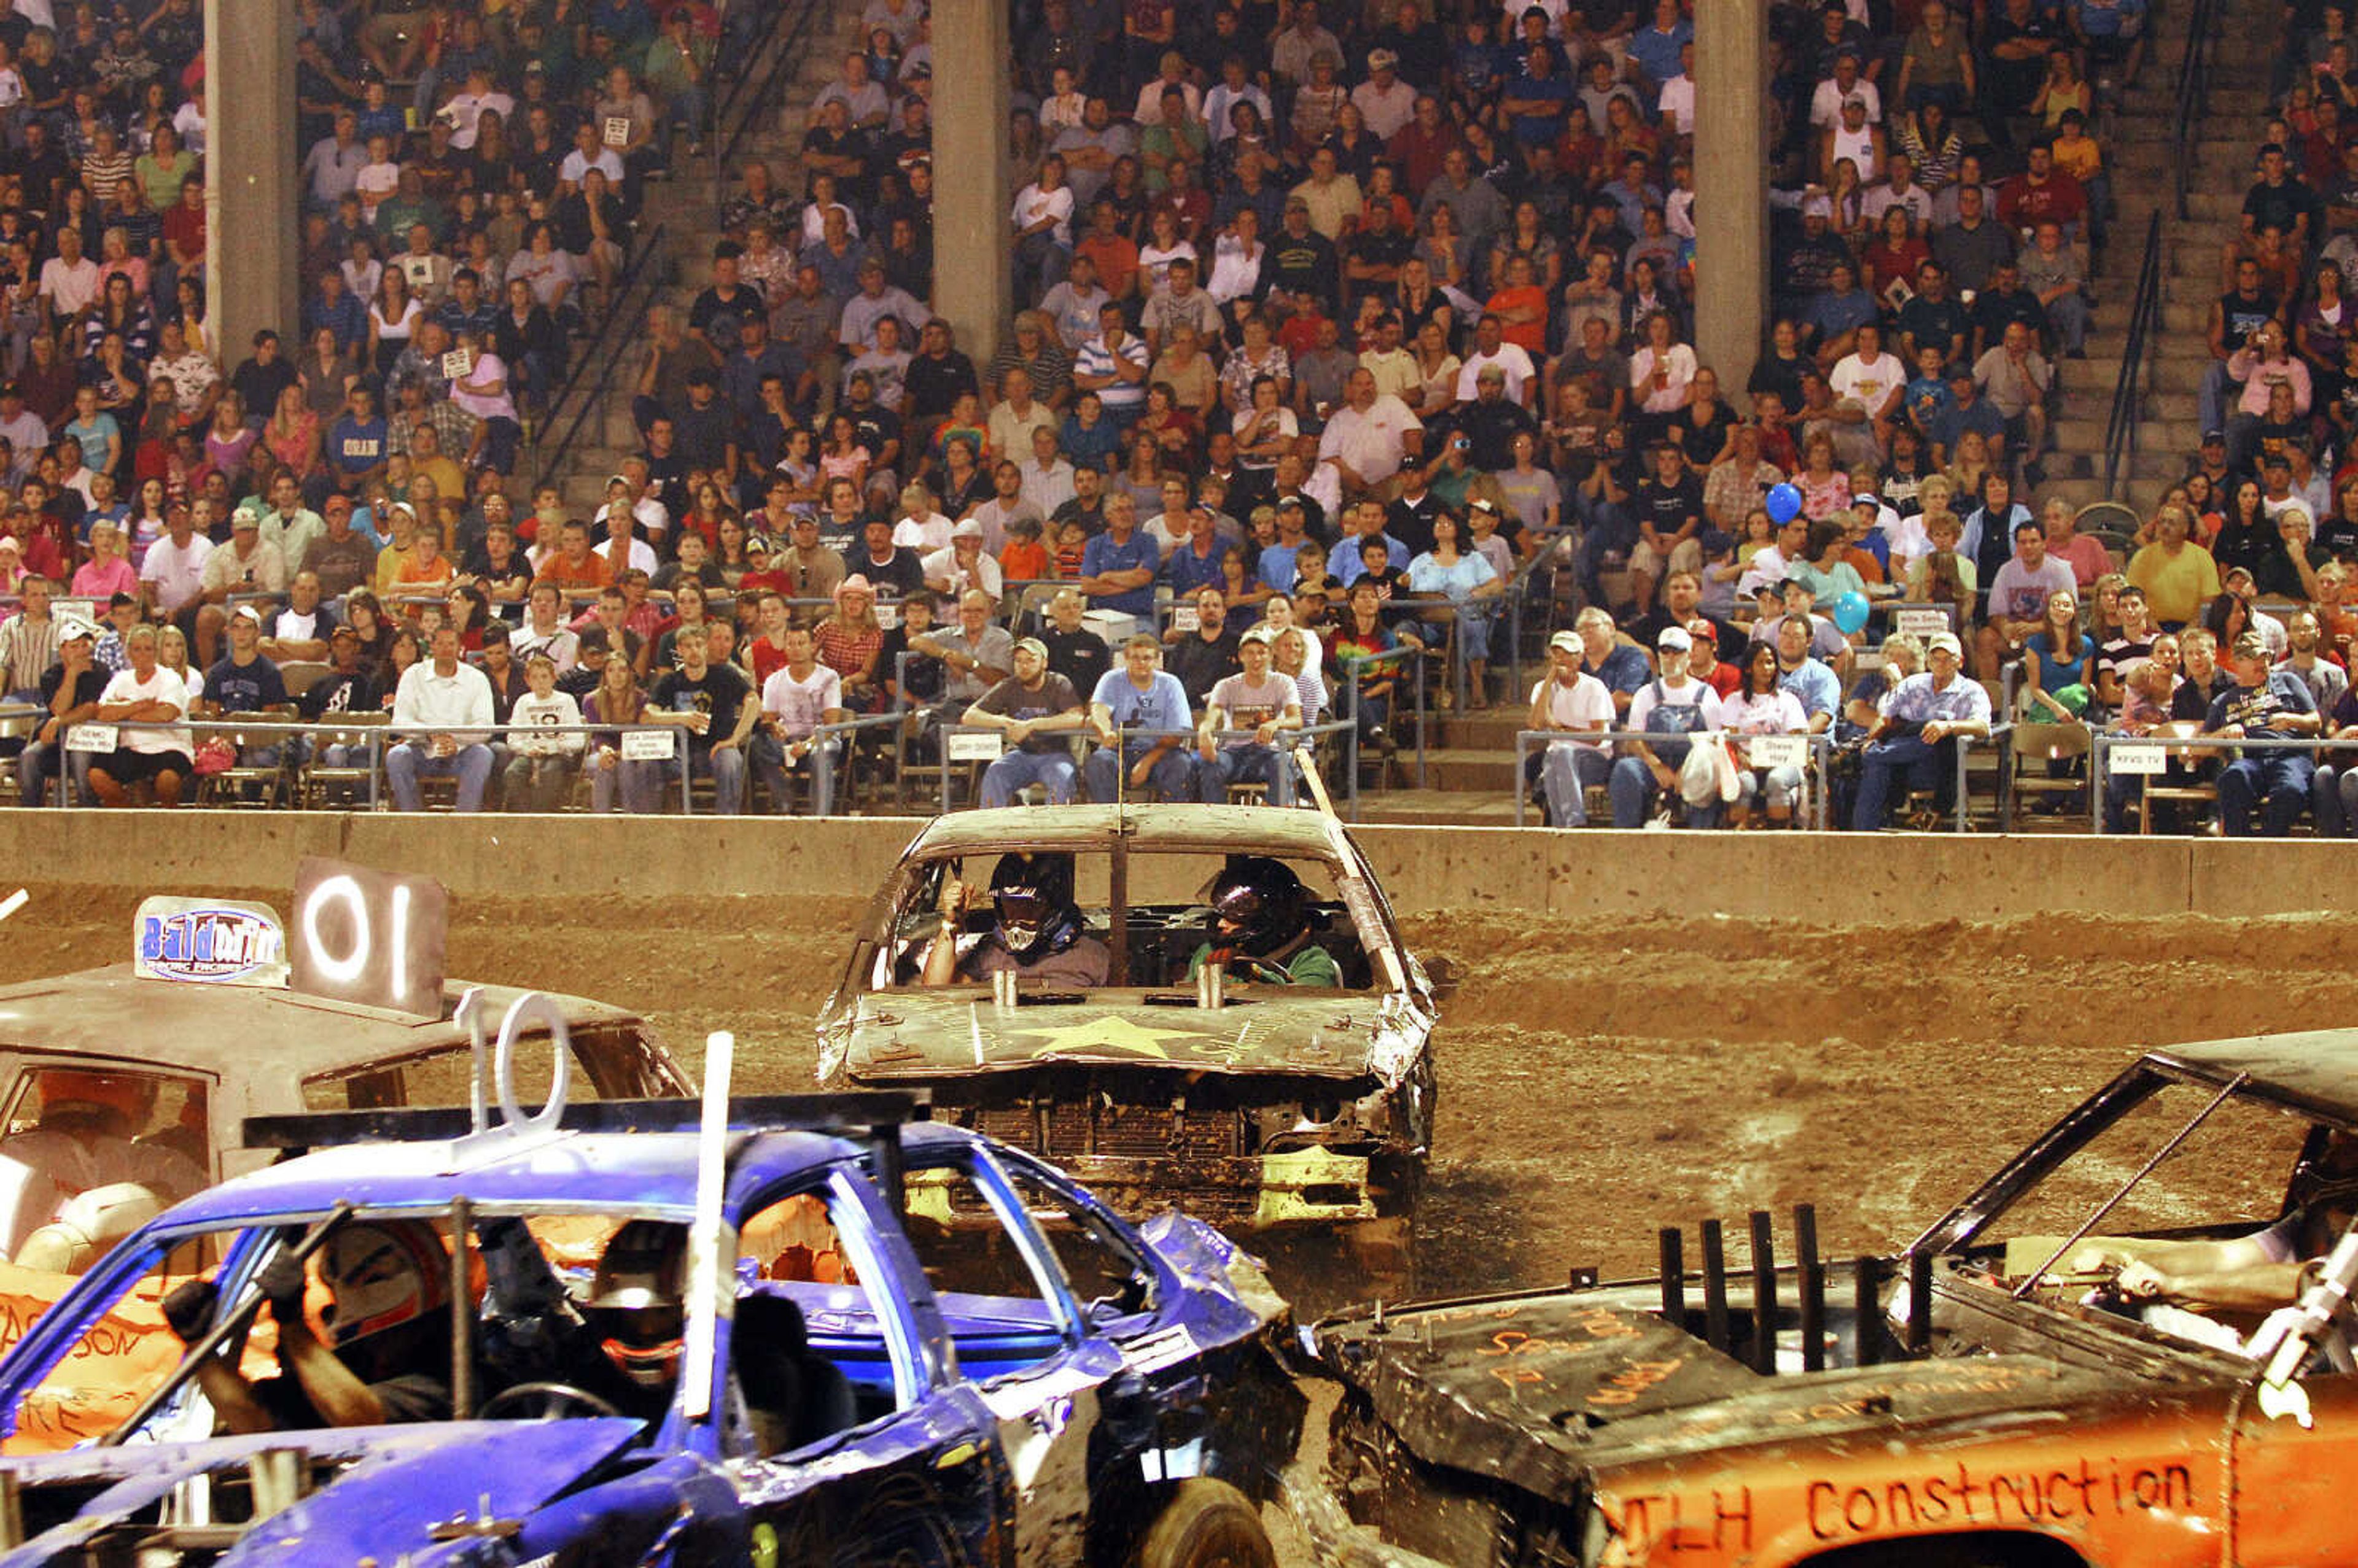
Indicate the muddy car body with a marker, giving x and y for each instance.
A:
(1047, 1401)
(1989, 1397)
(1275, 1108)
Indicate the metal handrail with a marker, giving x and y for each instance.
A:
(615, 335)
(1085, 736)
(2144, 321)
(2101, 744)
(376, 737)
(1821, 747)
(2193, 91)
(2144, 311)
(823, 755)
(790, 45)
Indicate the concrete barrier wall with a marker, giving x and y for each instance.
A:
(1587, 875)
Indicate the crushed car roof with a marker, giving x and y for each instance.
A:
(2316, 1070)
(112, 1012)
(1149, 827)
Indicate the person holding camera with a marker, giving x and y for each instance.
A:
(2263, 363)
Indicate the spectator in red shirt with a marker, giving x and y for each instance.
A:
(2042, 193)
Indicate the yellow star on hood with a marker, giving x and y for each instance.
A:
(1112, 1032)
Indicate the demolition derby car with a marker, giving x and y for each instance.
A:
(1290, 1089)
(124, 1088)
(577, 1344)
(2128, 1347)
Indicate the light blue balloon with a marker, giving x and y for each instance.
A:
(1783, 501)
(1850, 612)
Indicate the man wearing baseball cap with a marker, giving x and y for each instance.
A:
(1033, 710)
(1570, 700)
(1922, 712)
(2265, 703)
(70, 688)
(243, 681)
(1674, 703)
(1256, 699)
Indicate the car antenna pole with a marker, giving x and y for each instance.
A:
(462, 1312)
(2139, 1174)
(703, 1265)
(1317, 785)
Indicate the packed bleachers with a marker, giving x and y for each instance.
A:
(1366, 327)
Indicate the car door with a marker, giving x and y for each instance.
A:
(1058, 1392)
(916, 1479)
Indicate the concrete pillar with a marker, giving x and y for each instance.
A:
(1731, 170)
(252, 228)
(972, 95)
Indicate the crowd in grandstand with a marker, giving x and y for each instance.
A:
(1338, 329)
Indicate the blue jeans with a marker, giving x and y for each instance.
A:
(2333, 796)
(1907, 754)
(1174, 774)
(726, 769)
(1633, 790)
(1566, 773)
(2276, 782)
(408, 763)
(1246, 764)
(39, 765)
(1019, 770)
(633, 785)
(770, 765)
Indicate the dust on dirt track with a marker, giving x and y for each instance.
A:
(1596, 1082)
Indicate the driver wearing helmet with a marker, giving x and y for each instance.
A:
(84, 1175)
(637, 1313)
(1261, 927)
(387, 1355)
(1037, 934)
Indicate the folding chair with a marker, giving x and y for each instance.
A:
(2031, 745)
(317, 785)
(269, 784)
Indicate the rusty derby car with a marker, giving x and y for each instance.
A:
(1298, 1115)
(123, 1088)
(2128, 1349)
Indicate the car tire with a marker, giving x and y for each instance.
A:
(1205, 1524)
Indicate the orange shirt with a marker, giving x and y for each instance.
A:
(592, 573)
(1020, 562)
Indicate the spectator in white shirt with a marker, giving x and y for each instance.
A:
(446, 709)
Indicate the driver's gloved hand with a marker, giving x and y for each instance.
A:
(188, 1308)
(280, 1280)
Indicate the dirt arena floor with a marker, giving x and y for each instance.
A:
(1596, 1083)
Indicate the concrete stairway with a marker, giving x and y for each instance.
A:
(2143, 169)
(684, 204)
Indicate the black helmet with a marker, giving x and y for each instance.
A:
(1256, 905)
(635, 1300)
(1033, 897)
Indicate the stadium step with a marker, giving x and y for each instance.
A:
(685, 206)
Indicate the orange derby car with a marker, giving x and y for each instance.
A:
(2129, 1348)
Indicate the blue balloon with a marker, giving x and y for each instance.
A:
(1850, 612)
(1783, 501)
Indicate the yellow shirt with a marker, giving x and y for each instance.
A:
(390, 564)
(2078, 156)
(2176, 588)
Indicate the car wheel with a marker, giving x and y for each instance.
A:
(1205, 1524)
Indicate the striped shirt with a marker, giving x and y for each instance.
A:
(1096, 360)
